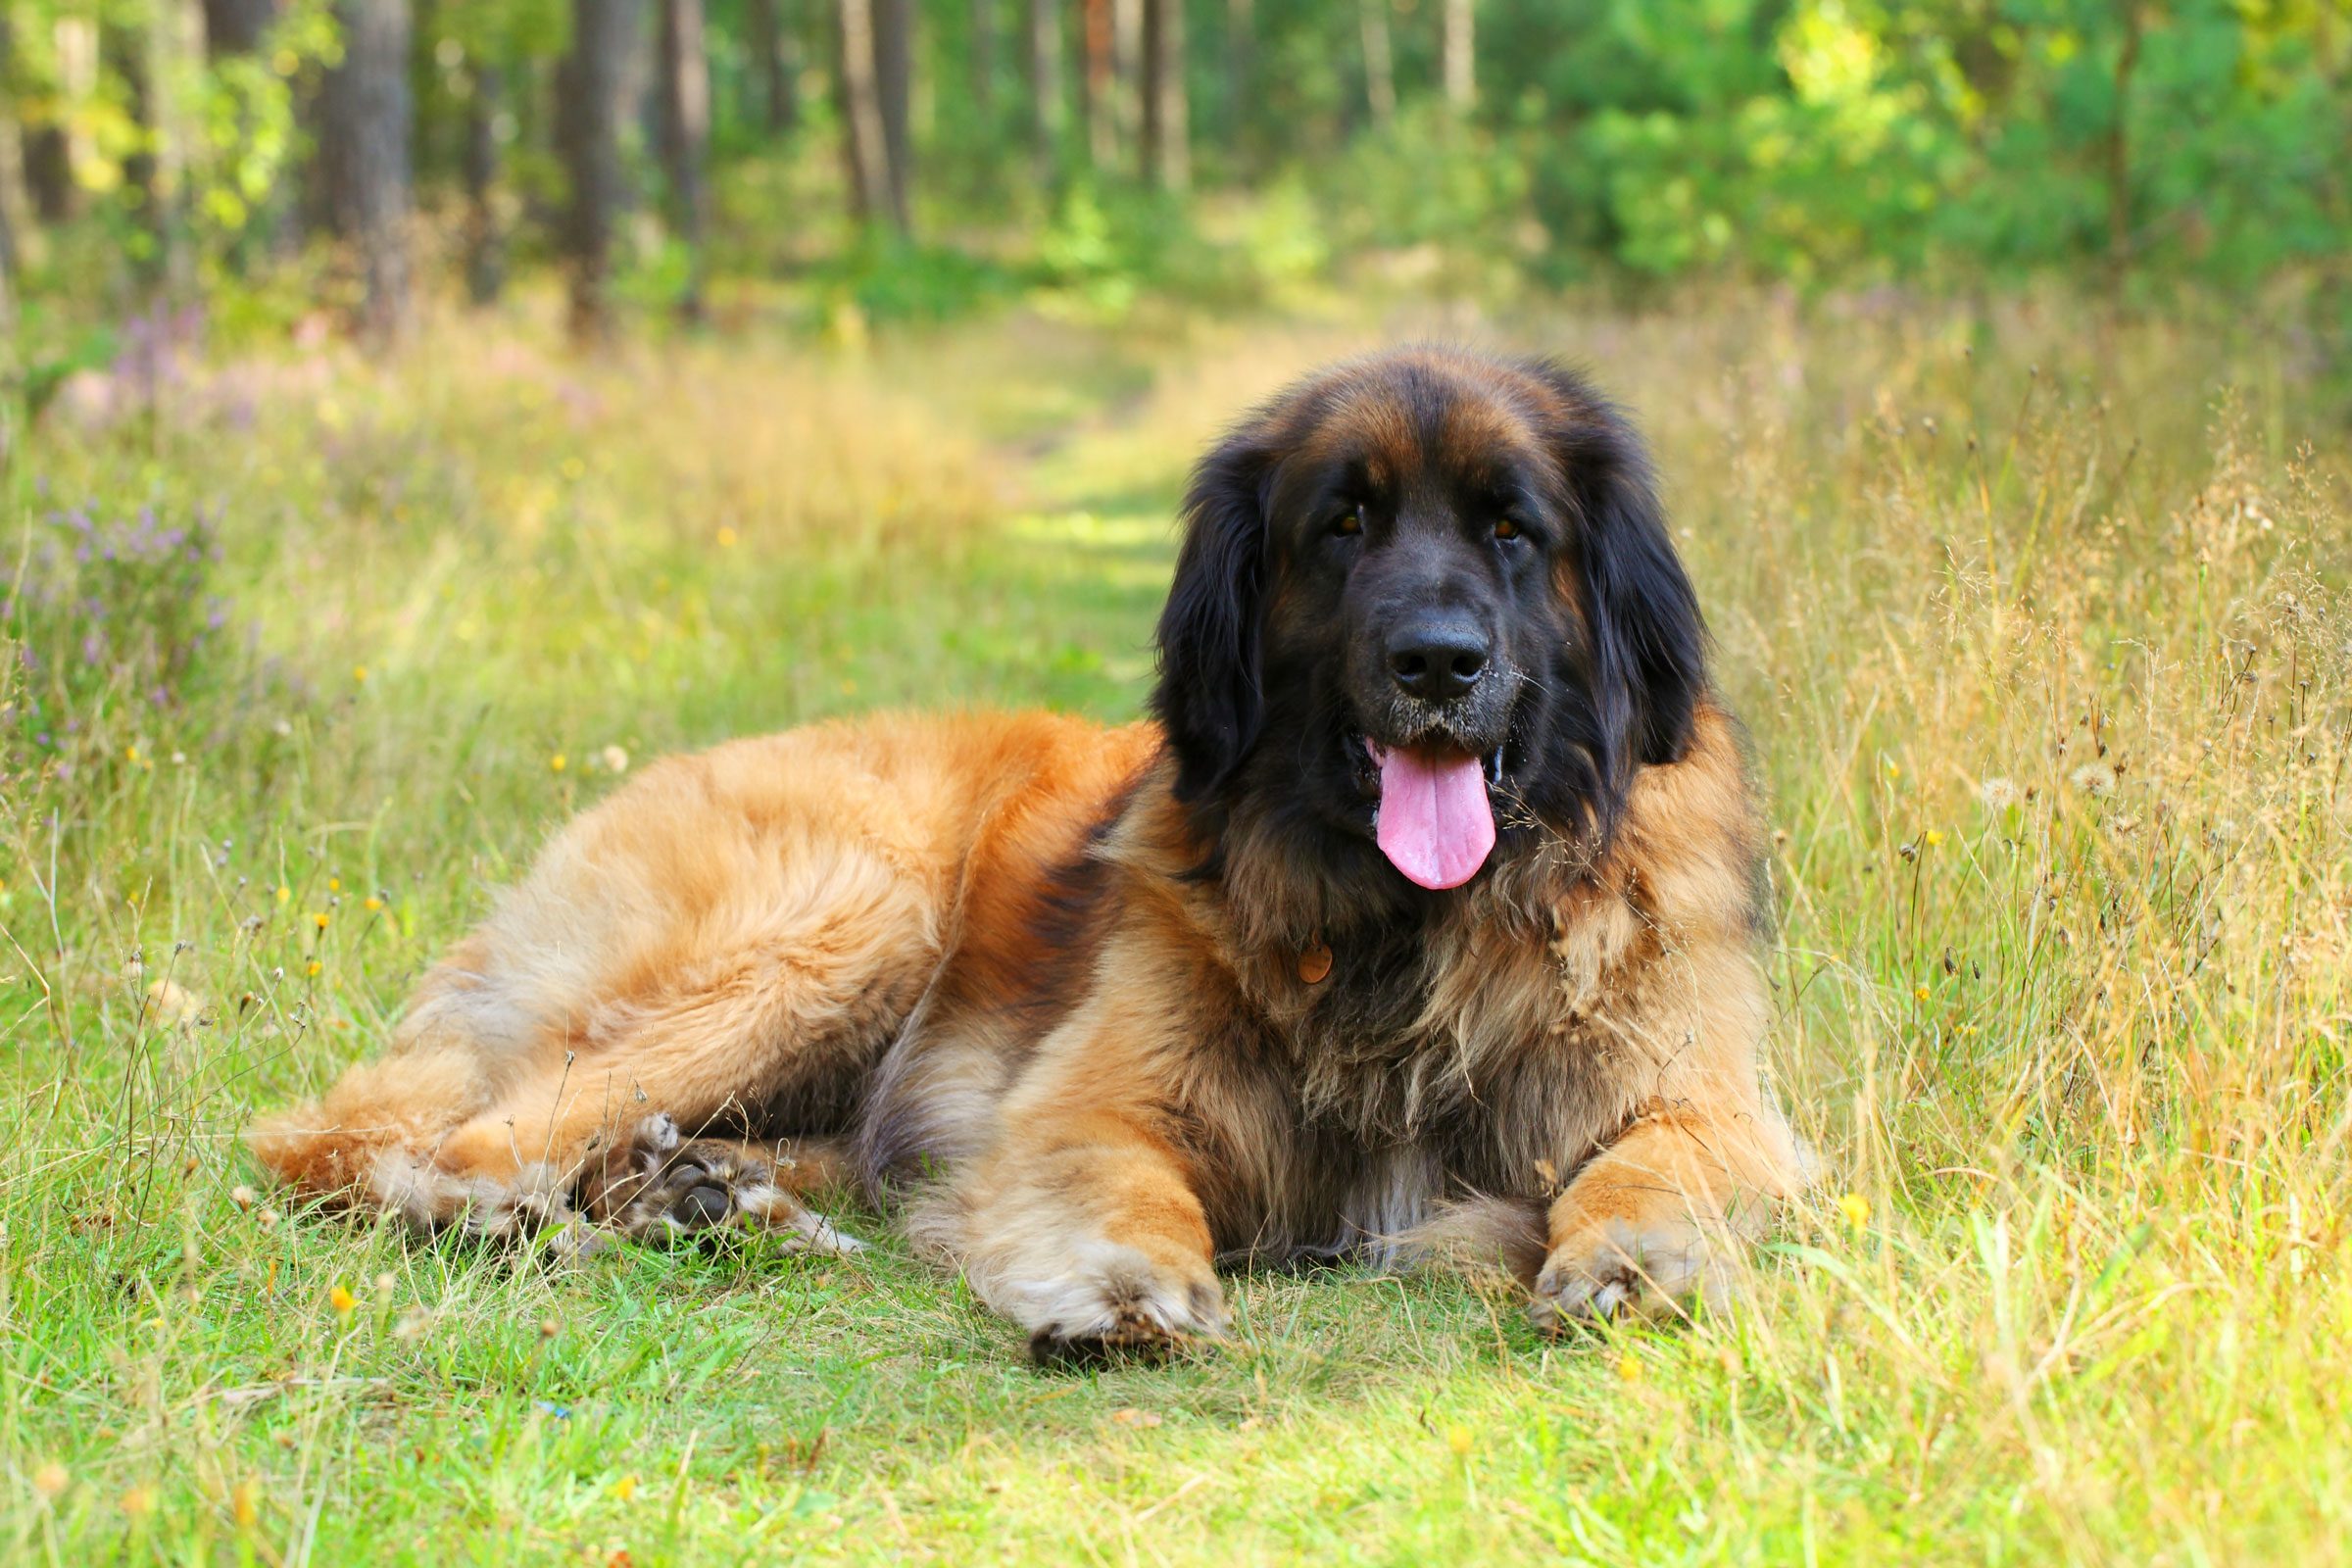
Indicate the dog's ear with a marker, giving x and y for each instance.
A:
(1649, 643)
(1211, 696)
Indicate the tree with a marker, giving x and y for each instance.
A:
(863, 146)
(1240, 63)
(485, 237)
(775, 62)
(588, 115)
(1167, 161)
(1095, 83)
(367, 118)
(684, 89)
(1380, 64)
(894, 90)
(1457, 54)
(984, 59)
(1043, 33)
(236, 26)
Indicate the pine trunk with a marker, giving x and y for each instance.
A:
(1457, 49)
(1380, 66)
(368, 120)
(236, 26)
(589, 88)
(685, 89)
(1095, 84)
(1043, 31)
(485, 240)
(984, 58)
(1166, 138)
(863, 147)
(894, 90)
(773, 61)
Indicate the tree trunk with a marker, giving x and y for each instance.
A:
(685, 89)
(1127, 69)
(367, 118)
(485, 243)
(1095, 84)
(236, 26)
(775, 61)
(984, 58)
(863, 145)
(1457, 49)
(1167, 151)
(894, 91)
(589, 85)
(1240, 63)
(2119, 151)
(1380, 66)
(1043, 31)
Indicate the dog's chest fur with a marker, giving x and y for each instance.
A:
(1467, 1056)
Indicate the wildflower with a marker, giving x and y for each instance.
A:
(130, 754)
(1920, 993)
(334, 884)
(284, 893)
(342, 1300)
(358, 674)
(246, 1504)
(373, 904)
(1857, 1209)
(1629, 1370)
(1934, 837)
(726, 538)
(313, 970)
(51, 1479)
(624, 1488)
(242, 1195)
(2093, 778)
(1459, 1439)
(320, 919)
(269, 1218)
(558, 763)
(1895, 769)
(616, 760)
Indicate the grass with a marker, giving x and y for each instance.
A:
(2040, 627)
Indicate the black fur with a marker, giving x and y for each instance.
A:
(1270, 628)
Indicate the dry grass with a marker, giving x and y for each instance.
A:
(2042, 633)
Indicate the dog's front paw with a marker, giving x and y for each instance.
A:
(1114, 1303)
(673, 1188)
(1648, 1265)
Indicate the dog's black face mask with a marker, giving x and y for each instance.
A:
(1425, 611)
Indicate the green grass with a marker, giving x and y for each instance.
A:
(2044, 642)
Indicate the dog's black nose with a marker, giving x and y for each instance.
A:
(1437, 658)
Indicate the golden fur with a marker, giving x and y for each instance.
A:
(984, 946)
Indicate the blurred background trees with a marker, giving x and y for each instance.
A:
(842, 160)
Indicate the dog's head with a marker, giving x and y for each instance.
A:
(1427, 601)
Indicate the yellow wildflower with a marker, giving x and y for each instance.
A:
(1857, 1209)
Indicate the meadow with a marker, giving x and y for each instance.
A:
(2039, 619)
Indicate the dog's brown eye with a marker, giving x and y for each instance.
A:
(1348, 523)
(1505, 529)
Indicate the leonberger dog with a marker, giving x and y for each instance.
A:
(1423, 915)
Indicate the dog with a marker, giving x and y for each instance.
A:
(1422, 917)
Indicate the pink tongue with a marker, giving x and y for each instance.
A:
(1435, 823)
